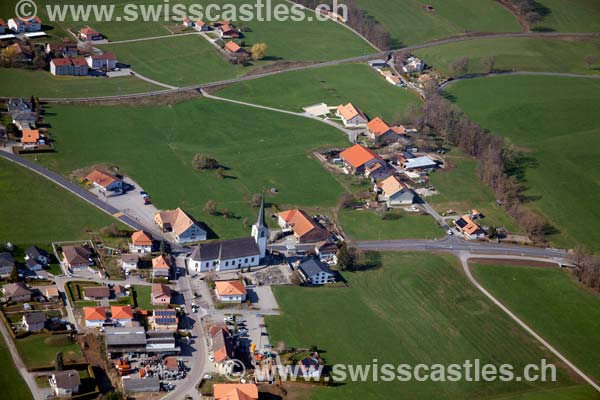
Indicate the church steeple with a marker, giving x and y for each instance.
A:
(260, 222)
(260, 231)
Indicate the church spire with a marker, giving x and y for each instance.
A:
(261, 214)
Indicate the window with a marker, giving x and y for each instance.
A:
(226, 263)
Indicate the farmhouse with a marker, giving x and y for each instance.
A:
(161, 294)
(141, 242)
(413, 65)
(88, 34)
(380, 132)
(17, 292)
(351, 116)
(108, 184)
(65, 383)
(94, 316)
(184, 227)
(233, 391)
(305, 229)
(106, 61)
(420, 163)
(233, 48)
(7, 263)
(129, 262)
(77, 257)
(201, 26)
(96, 293)
(34, 321)
(164, 320)
(316, 272)
(227, 31)
(121, 315)
(359, 160)
(395, 193)
(231, 291)
(469, 229)
(161, 266)
(19, 25)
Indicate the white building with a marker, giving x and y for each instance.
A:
(413, 64)
(185, 229)
(65, 383)
(102, 61)
(315, 272)
(395, 193)
(129, 262)
(351, 116)
(230, 291)
(19, 25)
(225, 255)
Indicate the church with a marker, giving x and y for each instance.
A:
(232, 254)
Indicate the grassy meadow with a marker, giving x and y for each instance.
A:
(368, 225)
(570, 16)
(13, 385)
(555, 124)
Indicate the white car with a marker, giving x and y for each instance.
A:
(211, 358)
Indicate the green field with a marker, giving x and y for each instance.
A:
(20, 82)
(409, 23)
(367, 225)
(417, 308)
(523, 54)
(554, 305)
(571, 16)
(461, 190)
(355, 83)
(13, 385)
(40, 350)
(555, 122)
(34, 210)
(156, 145)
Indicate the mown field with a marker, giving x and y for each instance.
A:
(40, 350)
(554, 305)
(355, 83)
(417, 308)
(555, 123)
(259, 150)
(34, 210)
(368, 225)
(570, 16)
(409, 23)
(461, 190)
(524, 54)
(20, 82)
(13, 385)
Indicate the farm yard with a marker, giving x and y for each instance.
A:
(522, 54)
(258, 150)
(554, 122)
(331, 85)
(415, 308)
(562, 311)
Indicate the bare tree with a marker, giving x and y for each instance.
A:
(489, 63)
(460, 67)
(591, 60)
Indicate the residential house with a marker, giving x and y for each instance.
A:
(223, 346)
(231, 291)
(104, 61)
(419, 163)
(62, 49)
(351, 116)
(201, 26)
(315, 272)
(76, 66)
(77, 257)
(51, 292)
(141, 242)
(24, 120)
(164, 320)
(185, 228)
(395, 193)
(304, 228)
(34, 321)
(227, 31)
(327, 252)
(119, 291)
(88, 34)
(65, 383)
(161, 266)
(7, 263)
(161, 294)
(360, 160)
(96, 293)
(129, 262)
(380, 132)
(3, 26)
(17, 292)
(224, 255)
(30, 136)
(19, 25)
(108, 184)
(413, 65)
(469, 229)
(122, 315)
(188, 23)
(235, 391)
(94, 317)
(38, 255)
(33, 265)
(233, 48)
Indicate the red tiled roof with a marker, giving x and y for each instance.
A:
(94, 313)
(358, 155)
(230, 288)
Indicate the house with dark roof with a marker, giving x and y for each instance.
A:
(65, 383)
(77, 257)
(34, 321)
(223, 346)
(96, 293)
(315, 272)
(7, 263)
(129, 262)
(161, 294)
(17, 292)
(225, 255)
(38, 256)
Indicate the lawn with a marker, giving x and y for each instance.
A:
(156, 145)
(571, 16)
(410, 24)
(40, 350)
(554, 305)
(355, 83)
(524, 54)
(461, 190)
(417, 308)
(368, 225)
(13, 385)
(20, 82)
(143, 294)
(34, 210)
(555, 122)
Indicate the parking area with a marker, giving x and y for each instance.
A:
(262, 298)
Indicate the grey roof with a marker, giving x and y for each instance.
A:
(130, 258)
(35, 252)
(420, 162)
(31, 262)
(150, 384)
(6, 260)
(226, 249)
(16, 289)
(76, 254)
(18, 105)
(67, 379)
(125, 336)
(260, 222)
(312, 266)
(35, 317)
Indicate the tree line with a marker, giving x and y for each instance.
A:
(587, 267)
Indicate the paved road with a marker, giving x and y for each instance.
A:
(316, 65)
